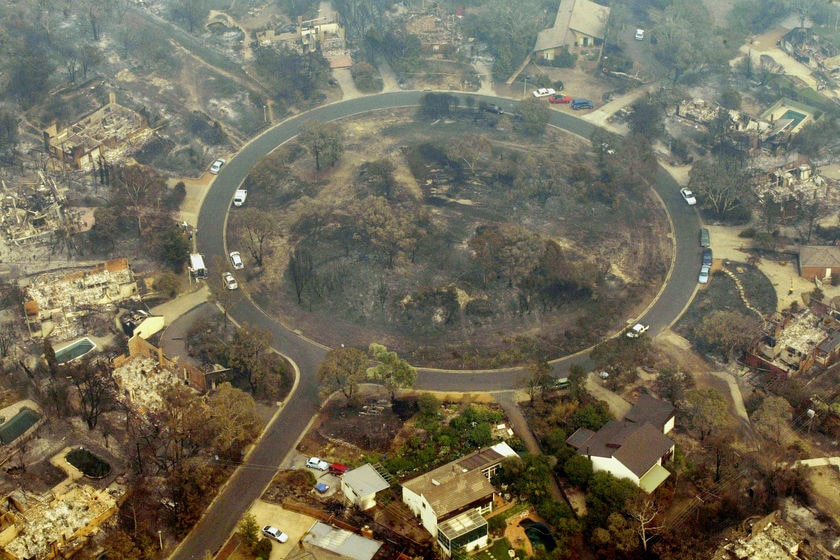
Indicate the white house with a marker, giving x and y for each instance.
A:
(360, 486)
(632, 448)
(451, 499)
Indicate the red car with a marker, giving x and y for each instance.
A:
(559, 99)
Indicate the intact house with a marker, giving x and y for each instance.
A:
(579, 23)
(792, 342)
(818, 261)
(110, 132)
(360, 486)
(451, 500)
(633, 448)
(326, 541)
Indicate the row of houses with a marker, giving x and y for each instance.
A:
(452, 502)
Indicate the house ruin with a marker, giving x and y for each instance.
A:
(56, 303)
(33, 212)
(105, 135)
(797, 181)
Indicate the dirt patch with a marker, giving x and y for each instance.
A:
(824, 484)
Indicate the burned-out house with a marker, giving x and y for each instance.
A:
(107, 134)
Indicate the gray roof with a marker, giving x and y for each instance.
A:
(637, 446)
(649, 409)
(581, 16)
(589, 18)
(580, 437)
(341, 542)
(822, 256)
(365, 480)
(450, 488)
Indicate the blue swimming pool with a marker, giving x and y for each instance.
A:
(17, 425)
(74, 350)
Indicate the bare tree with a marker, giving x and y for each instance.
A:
(141, 190)
(97, 389)
(642, 508)
(260, 226)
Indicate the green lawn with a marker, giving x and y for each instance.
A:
(498, 551)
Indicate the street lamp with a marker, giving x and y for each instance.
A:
(265, 113)
(524, 86)
(160, 538)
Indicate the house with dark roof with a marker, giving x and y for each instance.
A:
(579, 23)
(451, 500)
(819, 261)
(633, 448)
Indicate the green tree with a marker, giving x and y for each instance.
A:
(342, 370)
(578, 469)
(234, 421)
(606, 495)
(248, 353)
(168, 284)
(727, 332)
(539, 377)
(437, 105)
(647, 119)
(248, 530)
(428, 405)
(171, 245)
(192, 485)
(325, 142)
(672, 383)
(722, 184)
(705, 411)
(191, 12)
(535, 114)
(771, 418)
(529, 475)
(392, 371)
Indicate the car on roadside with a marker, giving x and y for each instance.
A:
(495, 109)
(604, 375)
(275, 534)
(688, 196)
(640, 35)
(229, 281)
(217, 166)
(544, 92)
(236, 260)
(578, 104)
(707, 257)
(704, 274)
(239, 197)
(317, 464)
(637, 330)
(558, 98)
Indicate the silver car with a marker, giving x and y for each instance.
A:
(275, 534)
(229, 281)
(236, 260)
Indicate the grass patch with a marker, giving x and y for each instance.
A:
(499, 549)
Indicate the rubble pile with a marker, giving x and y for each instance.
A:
(143, 380)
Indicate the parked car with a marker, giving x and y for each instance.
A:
(640, 35)
(705, 240)
(275, 534)
(229, 281)
(492, 109)
(236, 260)
(707, 257)
(704, 274)
(317, 464)
(582, 104)
(637, 330)
(338, 469)
(239, 197)
(604, 375)
(217, 166)
(688, 196)
(544, 92)
(557, 98)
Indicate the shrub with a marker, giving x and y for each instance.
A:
(748, 233)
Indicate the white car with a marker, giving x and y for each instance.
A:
(217, 166)
(275, 534)
(640, 35)
(543, 92)
(317, 464)
(637, 330)
(688, 196)
(236, 260)
(704, 274)
(230, 281)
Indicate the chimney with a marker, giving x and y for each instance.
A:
(588, 455)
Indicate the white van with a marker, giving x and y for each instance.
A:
(640, 35)
(197, 268)
(239, 197)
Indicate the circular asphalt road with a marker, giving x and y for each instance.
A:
(280, 436)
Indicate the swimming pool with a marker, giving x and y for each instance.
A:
(18, 424)
(539, 534)
(74, 350)
(795, 116)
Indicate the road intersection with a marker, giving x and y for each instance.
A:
(290, 422)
